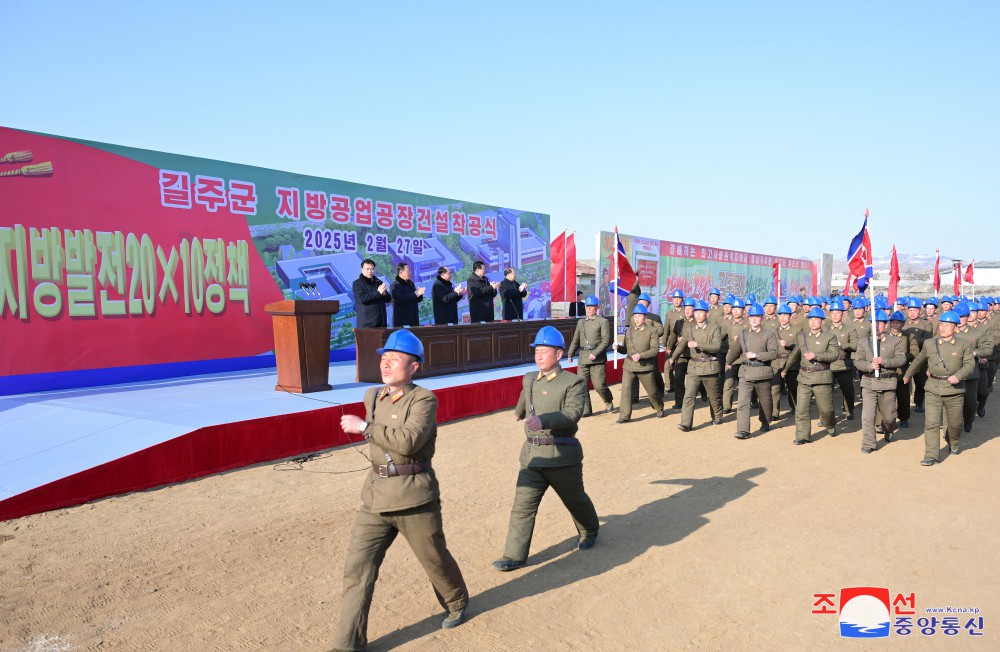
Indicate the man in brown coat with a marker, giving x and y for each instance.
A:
(700, 341)
(753, 349)
(400, 494)
(817, 349)
(735, 324)
(592, 338)
(879, 371)
(843, 367)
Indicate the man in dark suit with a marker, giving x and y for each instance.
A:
(481, 293)
(446, 297)
(406, 298)
(370, 297)
(512, 295)
(577, 309)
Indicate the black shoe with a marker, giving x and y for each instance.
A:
(622, 420)
(754, 405)
(677, 406)
(587, 542)
(967, 427)
(981, 412)
(660, 414)
(586, 414)
(850, 416)
(454, 618)
(727, 410)
(716, 422)
(954, 449)
(742, 435)
(888, 436)
(867, 451)
(928, 462)
(834, 433)
(799, 442)
(919, 409)
(506, 565)
(612, 409)
(764, 427)
(904, 424)
(683, 428)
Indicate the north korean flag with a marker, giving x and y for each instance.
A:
(859, 257)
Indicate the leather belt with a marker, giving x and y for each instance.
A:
(938, 377)
(704, 359)
(883, 373)
(553, 441)
(755, 363)
(390, 470)
(817, 367)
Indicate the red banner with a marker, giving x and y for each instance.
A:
(557, 258)
(893, 277)
(571, 267)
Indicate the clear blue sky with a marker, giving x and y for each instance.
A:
(761, 126)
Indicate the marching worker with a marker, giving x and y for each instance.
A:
(592, 339)
(948, 361)
(783, 377)
(702, 340)
(716, 311)
(860, 321)
(817, 348)
(753, 349)
(980, 339)
(912, 346)
(770, 312)
(918, 329)
(878, 381)
(735, 325)
(550, 405)
(675, 321)
(653, 319)
(399, 496)
(446, 297)
(642, 346)
(370, 296)
(843, 367)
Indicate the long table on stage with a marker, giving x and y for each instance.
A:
(460, 348)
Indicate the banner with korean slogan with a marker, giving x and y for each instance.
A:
(664, 266)
(157, 264)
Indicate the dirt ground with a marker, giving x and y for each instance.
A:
(707, 542)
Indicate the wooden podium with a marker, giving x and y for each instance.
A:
(302, 344)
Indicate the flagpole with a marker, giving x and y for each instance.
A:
(565, 273)
(614, 298)
(871, 285)
(937, 272)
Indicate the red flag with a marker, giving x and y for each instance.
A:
(958, 278)
(969, 271)
(893, 277)
(937, 271)
(776, 273)
(571, 267)
(557, 258)
(847, 288)
(859, 256)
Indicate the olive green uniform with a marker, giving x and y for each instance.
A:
(980, 339)
(943, 359)
(779, 365)
(814, 380)
(754, 374)
(732, 375)
(551, 457)
(592, 338)
(878, 395)
(646, 342)
(842, 368)
(678, 370)
(702, 367)
(919, 331)
(651, 318)
(399, 496)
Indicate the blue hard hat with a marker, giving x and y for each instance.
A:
(688, 302)
(932, 301)
(645, 297)
(947, 298)
(961, 309)
(793, 299)
(751, 298)
(550, 336)
(771, 299)
(739, 303)
(812, 301)
(640, 310)
(896, 316)
(881, 316)
(838, 304)
(816, 312)
(592, 301)
(701, 305)
(979, 305)
(881, 303)
(824, 299)
(729, 299)
(405, 342)
(913, 302)
(714, 291)
(859, 302)
(755, 310)
(677, 295)
(784, 310)
(949, 317)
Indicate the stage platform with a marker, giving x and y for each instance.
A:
(69, 447)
